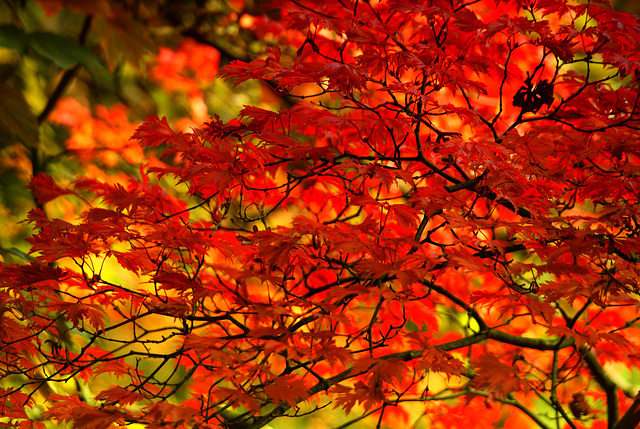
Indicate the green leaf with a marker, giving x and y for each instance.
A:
(13, 37)
(17, 252)
(64, 51)
(411, 326)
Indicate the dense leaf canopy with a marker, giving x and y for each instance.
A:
(430, 217)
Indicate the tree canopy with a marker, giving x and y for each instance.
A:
(421, 213)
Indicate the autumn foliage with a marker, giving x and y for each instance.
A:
(443, 216)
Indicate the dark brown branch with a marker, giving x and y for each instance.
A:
(485, 191)
(630, 419)
(603, 379)
(534, 343)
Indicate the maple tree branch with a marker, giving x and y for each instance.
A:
(65, 80)
(490, 194)
(600, 376)
(469, 184)
(603, 379)
(460, 302)
(437, 170)
(357, 419)
(490, 333)
(485, 253)
(630, 419)
(532, 343)
(511, 400)
(554, 389)
(484, 191)
(324, 384)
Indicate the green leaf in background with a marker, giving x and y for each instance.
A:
(411, 326)
(64, 51)
(17, 121)
(13, 37)
(19, 253)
